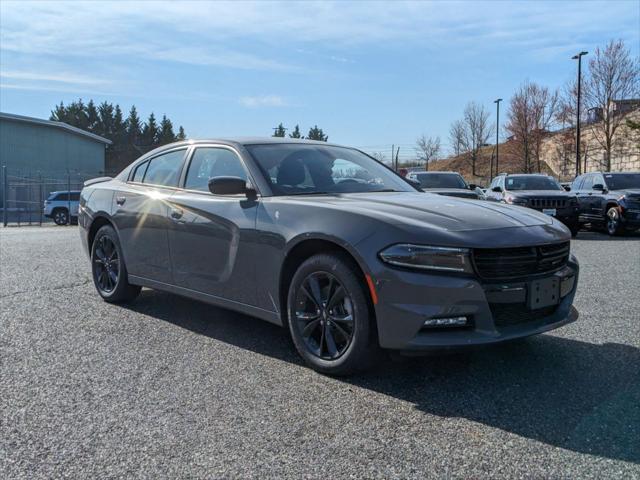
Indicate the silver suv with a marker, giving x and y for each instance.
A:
(62, 206)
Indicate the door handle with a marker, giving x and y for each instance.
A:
(120, 200)
(176, 213)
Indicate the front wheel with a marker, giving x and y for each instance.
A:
(613, 222)
(329, 316)
(108, 268)
(60, 216)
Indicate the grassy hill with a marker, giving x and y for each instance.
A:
(510, 162)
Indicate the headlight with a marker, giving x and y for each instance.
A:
(515, 201)
(426, 257)
(622, 197)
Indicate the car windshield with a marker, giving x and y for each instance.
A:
(440, 180)
(622, 181)
(299, 169)
(533, 182)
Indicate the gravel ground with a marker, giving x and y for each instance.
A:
(168, 387)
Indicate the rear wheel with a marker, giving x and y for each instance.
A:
(613, 223)
(329, 316)
(60, 216)
(108, 268)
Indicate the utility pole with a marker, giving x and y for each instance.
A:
(579, 58)
(497, 102)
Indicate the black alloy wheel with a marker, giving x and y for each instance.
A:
(614, 225)
(60, 217)
(106, 264)
(331, 316)
(324, 315)
(108, 268)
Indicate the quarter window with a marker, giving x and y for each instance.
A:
(165, 169)
(138, 174)
(209, 162)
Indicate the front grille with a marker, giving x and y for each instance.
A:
(509, 314)
(501, 263)
(548, 202)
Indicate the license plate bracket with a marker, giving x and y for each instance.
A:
(549, 211)
(544, 293)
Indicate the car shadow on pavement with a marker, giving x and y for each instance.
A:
(570, 394)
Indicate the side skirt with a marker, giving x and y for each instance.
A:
(272, 317)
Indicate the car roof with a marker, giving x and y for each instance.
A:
(251, 141)
(65, 191)
(437, 172)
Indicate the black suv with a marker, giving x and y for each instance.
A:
(540, 192)
(611, 200)
(445, 183)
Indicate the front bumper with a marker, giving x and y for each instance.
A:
(497, 311)
(630, 218)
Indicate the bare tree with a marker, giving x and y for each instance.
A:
(456, 136)
(379, 156)
(427, 149)
(613, 75)
(476, 131)
(532, 111)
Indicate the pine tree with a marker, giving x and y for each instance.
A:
(133, 126)
(59, 114)
(106, 120)
(181, 135)
(279, 131)
(296, 133)
(316, 133)
(119, 127)
(150, 131)
(166, 135)
(76, 115)
(92, 116)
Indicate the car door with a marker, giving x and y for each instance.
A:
(211, 237)
(597, 199)
(140, 211)
(585, 195)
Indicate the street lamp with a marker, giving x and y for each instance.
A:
(497, 102)
(579, 58)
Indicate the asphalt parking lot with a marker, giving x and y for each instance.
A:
(168, 387)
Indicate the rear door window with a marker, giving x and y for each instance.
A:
(164, 170)
(75, 196)
(62, 197)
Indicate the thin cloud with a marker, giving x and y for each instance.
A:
(61, 78)
(263, 101)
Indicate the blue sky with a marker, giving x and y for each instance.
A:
(369, 73)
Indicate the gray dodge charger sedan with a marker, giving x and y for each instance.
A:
(329, 243)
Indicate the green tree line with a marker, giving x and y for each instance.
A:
(130, 136)
(315, 133)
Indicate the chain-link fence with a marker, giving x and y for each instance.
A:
(23, 195)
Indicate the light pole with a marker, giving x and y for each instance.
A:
(497, 102)
(579, 58)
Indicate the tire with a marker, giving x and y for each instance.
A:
(329, 316)
(574, 230)
(612, 224)
(60, 216)
(108, 269)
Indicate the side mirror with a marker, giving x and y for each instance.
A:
(413, 182)
(472, 186)
(567, 187)
(228, 186)
(598, 186)
(497, 189)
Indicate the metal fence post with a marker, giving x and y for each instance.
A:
(5, 194)
(41, 200)
(69, 198)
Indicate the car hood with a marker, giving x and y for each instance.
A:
(430, 211)
(540, 193)
(454, 192)
(630, 192)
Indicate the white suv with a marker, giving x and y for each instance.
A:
(59, 204)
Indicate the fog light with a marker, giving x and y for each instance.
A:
(446, 322)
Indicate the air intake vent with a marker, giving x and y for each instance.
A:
(502, 263)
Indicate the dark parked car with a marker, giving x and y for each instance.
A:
(611, 200)
(445, 183)
(539, 192)
(329, 243)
